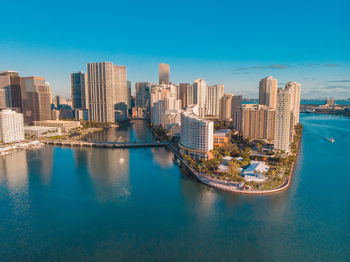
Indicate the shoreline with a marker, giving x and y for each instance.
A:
(234, 189)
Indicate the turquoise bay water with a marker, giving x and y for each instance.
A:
(70, 204)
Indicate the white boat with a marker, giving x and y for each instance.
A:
(332, 140)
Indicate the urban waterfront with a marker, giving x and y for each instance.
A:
(71, 204)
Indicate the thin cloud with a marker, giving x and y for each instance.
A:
(277, 66)
(309, 65)
(338, 87)
(338, 81)
(331, 65)
(274, 66)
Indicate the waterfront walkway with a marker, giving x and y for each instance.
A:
(105, 144)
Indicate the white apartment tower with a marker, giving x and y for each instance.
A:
(164, 73)
(283, 125)
(268, 92)
(295, 92)
(11, 126)
(200, 96)
(196, 135)
(214, 94)
(108, 94)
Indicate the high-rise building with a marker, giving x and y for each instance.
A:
(160, 92)
(108, 95)
(196, 137)
(11, 126)
(258, 122)
(283, 125)
(268, 91)
(236, 111)
(200, 95)
(214, 94)
(226, 107)
(79, 92)
(10, 90)
(230, 110)
(164, 73)
(186, 94)
(36, 97)
(142, 92)
(295, 92)
(162, 106)
(128, 85)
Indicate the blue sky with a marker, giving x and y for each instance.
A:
(232, 42)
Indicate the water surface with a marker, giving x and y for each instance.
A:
(71, 204)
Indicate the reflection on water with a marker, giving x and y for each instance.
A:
(109, 171)
(14, 170)
(138, 130)
(41, 163)
(162, 157)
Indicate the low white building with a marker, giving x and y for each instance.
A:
(62, 124)
(255, 171)
(42, 131)
(11, 126)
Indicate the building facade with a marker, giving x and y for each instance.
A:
(196, 136)
(230, 110)
(142, 93)
(186, 94)
(268, 92)
(295, 93)
(258, 122)
(36, 99)
(164, 73)
(11, 126)
(214, 94)
(107, 88)
(200, 96)
(10, 90)
(283, 128)
(79, 91)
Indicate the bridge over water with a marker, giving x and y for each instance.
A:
(106, 144)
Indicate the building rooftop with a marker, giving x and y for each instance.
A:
(256, 168)
(39, 128)
(222, 132)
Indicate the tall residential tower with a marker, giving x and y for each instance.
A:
(268, 92)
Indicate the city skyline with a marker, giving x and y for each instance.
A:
(238, 49)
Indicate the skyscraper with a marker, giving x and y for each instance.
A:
(11, 126)
(37, 99)
(186, 94)
(258, 122)
(200, 95)
(164, 73)
(214, 94)
(268, 91)
(283, 123)
(79, 92)
(142, 93)
(108, 96)
(10, 90)
(295, 92)
(230, 110)
(128, 84)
